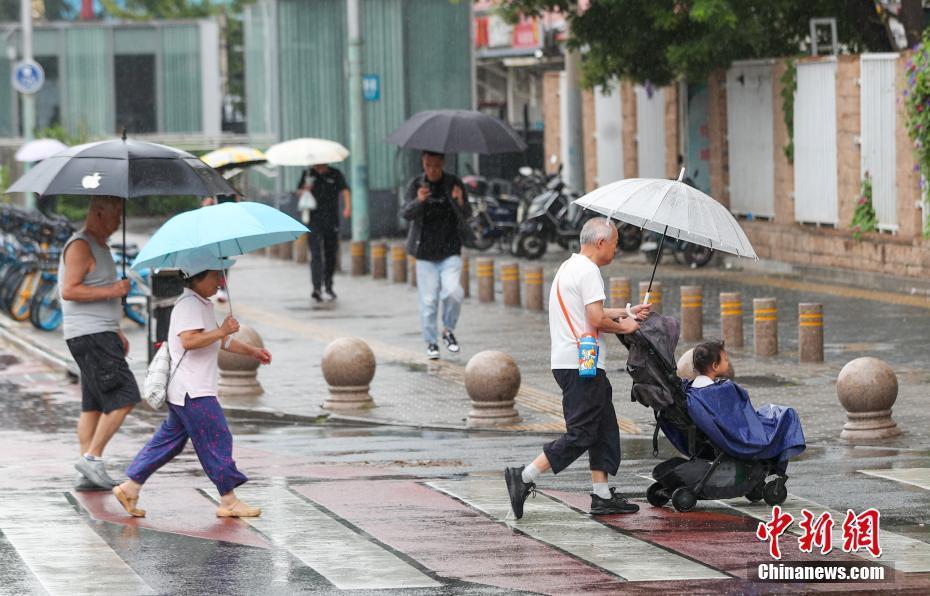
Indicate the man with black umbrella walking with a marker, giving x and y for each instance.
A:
(90, 304)
(436, 206)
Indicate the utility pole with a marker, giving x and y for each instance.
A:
(28, 99)
(572, 135)
(357, 144)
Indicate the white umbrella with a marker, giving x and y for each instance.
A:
(39, 149)
(306, 152)
(671, 208)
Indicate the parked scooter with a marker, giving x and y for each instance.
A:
(551, 217)
(495, 212)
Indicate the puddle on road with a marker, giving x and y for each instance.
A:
(7, 360)
(21, 410)
(417, 367)
(765, 381)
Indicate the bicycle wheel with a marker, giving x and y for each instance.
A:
(45, 313)
(21, 304)
(10, 285)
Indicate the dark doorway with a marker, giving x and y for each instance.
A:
(134, 78)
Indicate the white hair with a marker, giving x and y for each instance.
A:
(599, 228)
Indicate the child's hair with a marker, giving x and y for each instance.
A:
(706, 355)
(190, 281)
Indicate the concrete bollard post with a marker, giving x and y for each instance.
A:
(655, 297)
(485, 279)
(810, 332)
(492, 380)
(465, 279)
(348, 366)
(287, 250)
(379, 260)
(301, 248)
(533, 287)
(510, 283)
(731, 318)
(620, 292)
(238, 373)
(398, 263)
(359, 264)
(692, 313)
(765, 326)
(867, 389)
(412, 274)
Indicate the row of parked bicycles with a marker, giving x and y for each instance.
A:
(30, 248)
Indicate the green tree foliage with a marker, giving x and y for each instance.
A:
(146, 10)
(660, 40)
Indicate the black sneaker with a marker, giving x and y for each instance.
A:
(451, 344)
(316, 297)
(330, 294)
(518, 490)
(432, 352)
(615, 504)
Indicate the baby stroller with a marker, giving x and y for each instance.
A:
(711, 471)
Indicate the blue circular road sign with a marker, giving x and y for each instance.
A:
(28, 76)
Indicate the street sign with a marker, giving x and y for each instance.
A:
(371, 87)
(28, 77)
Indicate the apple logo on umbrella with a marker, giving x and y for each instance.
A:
(92, 181)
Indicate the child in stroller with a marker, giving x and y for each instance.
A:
(731, 448)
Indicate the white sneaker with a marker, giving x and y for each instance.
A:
(432, 352)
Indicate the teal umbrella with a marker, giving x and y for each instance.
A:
(217, 232)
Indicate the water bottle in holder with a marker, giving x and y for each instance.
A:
(588, 352)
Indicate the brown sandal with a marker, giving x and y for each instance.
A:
(128, 504)
(239, 509)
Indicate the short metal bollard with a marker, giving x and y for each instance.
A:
(379, 260)
(348, 366)
(655, 296)
(867, 389)
(620, 292)
(533, 287)
(692, 313)
(510, 283)
(465, 278)
(731, 318)
(485, 279)
(765, 326)
(398, 263)
(359, 263)
(810, 332)
(412, 268)
(492, 380)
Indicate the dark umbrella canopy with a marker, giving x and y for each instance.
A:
(123, 168)
(457, 131)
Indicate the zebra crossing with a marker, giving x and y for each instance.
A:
(399, 534)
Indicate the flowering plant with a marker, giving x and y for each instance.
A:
(864, 218)
(917, 109)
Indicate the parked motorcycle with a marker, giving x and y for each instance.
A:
(495, 212)
(551, 217)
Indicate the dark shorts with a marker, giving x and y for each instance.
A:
(590, 423)
(107, 384)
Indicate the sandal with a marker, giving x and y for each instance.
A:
(239, 509)
(128, 504)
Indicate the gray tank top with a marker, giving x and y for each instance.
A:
(85, 318)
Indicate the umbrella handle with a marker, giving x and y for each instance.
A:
(681, 174)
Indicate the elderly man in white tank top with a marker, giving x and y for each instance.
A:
(90, 303)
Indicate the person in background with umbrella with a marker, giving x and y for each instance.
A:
(576, 309)
(194, 341)
(91, 314)
(437, 208)
(325, 184)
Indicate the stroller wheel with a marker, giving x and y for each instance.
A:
(683, 499)
(657, 495)
(775, 492)
(757, 493)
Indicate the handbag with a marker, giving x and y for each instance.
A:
(158, 377)
(306, 201)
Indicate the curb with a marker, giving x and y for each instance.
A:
(36, 350)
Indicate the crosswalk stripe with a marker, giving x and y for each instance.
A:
(919, 477)
(62, 551)
(898, 551)
(346, 559)
(557, 524)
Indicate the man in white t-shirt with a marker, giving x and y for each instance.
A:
(576, 307)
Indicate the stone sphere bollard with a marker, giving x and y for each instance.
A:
(686, 370)
(867, 389)
(238, 373)
(348, 367)
(492, 380)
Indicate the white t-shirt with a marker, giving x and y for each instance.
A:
(197, 374)
(581, 284)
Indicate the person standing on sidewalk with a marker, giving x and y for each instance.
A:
(576, 307)
(194, 342)
(436, 205)
(91, 312)
(326, 184)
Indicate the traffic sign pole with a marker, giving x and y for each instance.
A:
(357, 139)
(28, 99)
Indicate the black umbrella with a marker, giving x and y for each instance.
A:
(457, 131)
(123, 168)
